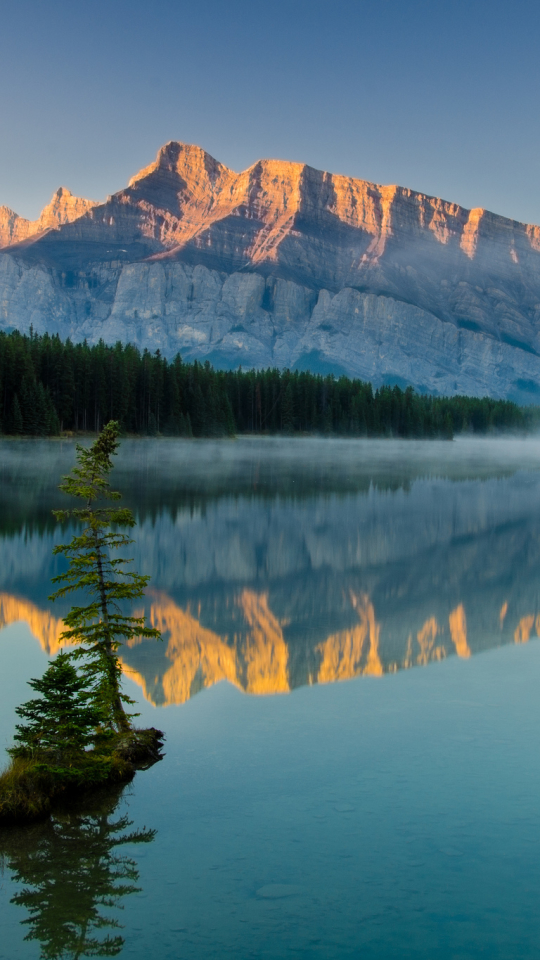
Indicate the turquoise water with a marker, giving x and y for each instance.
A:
(349, 687)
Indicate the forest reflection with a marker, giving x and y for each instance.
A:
(74, 873)
(172, 476)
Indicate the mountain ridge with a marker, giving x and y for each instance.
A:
(285, 265)
(376, 220)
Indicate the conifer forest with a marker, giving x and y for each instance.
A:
(49, 386)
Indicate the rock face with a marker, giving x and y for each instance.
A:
(287, 266)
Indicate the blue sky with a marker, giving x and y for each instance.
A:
(439, 96)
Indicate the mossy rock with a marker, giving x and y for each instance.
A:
(142, 748)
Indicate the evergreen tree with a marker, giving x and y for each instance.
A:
(51, 422)
(152, 425)
(227, 416)
(287, 409)
(18, 423)
(30, 411)
(448, 427)
(100, 626)
(62, 719)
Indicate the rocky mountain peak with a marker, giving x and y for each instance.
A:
(62, 208)
(184, 161)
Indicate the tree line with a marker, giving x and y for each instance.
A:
(49, 386)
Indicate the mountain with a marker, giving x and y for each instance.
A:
(287, 266)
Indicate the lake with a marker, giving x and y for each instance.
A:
(349, 685)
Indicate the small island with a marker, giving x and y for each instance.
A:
(77, 736)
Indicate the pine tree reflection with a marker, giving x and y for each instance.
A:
(74, 875)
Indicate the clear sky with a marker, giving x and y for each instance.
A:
(439, 95)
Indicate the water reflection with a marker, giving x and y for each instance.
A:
(272, 567)
(257, 656)
(419, 838)
(74, 877)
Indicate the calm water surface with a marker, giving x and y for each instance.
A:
(349, 684)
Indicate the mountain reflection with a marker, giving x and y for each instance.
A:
(73, 877)
(258, 657)
(275, 565)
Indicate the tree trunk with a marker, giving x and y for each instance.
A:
(117, 705)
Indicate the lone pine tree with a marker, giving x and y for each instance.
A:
(100, 626)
